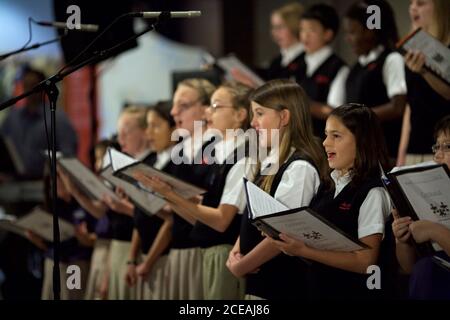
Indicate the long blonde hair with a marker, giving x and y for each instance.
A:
(287, 95)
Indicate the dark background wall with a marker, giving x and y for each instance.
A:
(240, 26)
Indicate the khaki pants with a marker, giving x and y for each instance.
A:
(412, 159)
(99, 266)
(218, 282)
(251, 297)
(156, 286)
(66, 293)
(185, 274)
(118, 257)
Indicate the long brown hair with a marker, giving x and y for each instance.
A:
(371, 150)
(288, 95)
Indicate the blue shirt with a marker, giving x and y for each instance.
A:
(26, 130)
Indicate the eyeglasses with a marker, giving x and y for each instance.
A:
(214, 106)
(445, 147)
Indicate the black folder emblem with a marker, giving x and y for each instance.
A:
(442, 210)
(438, 58)
(314, 235)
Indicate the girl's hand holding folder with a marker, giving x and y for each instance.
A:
(400, 227)
(122, 206)
(415, 61)
(65, 179)
(154, 183)
(289, 245)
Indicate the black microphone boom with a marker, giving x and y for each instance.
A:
(63, 25)
(170, 14)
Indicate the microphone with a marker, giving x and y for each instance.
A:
(63, 25)
(171, 14)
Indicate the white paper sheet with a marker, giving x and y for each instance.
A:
(262, 203)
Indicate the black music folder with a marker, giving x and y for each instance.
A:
(422, 192)
(273, 218)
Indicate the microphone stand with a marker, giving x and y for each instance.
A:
(49, 87)
(32, 47)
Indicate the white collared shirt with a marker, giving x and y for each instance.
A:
(289, 54)
(393, 70)
(298, 185)
(316, 59)
(163, 158)
(374, 210)
(336, 94)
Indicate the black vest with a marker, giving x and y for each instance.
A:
(342, 211)
(282, 277)
(365, 85)
(148, 225)
(427, 108)
(277, 71)
(317, 86)
(121, 226)
(196, 174)
(202, 233)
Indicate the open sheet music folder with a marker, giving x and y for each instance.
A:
(125, 166)
(148, 202)
(85, 179)
(40, 222)
(273, 218)
(231, 62)
(421, 192)
(436, 54)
